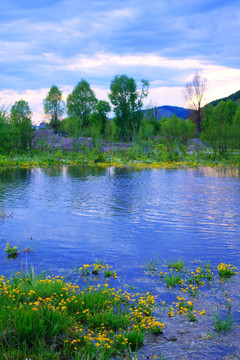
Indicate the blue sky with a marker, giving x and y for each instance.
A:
(63, 41)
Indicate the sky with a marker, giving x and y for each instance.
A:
(61, 42)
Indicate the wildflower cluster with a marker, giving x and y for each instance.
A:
(96, 269)
(186, 308)
(49, 315)
(11, 251)
(190, 282)
(226, 270)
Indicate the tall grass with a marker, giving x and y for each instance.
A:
(44, 317)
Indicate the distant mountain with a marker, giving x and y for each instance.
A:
(234, 97)
(167, 111)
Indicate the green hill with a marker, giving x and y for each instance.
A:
(234, 97)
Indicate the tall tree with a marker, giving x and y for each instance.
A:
(21, 121)
(54, 107)
(81, 102)
(194, 93)
(220, 128)
(127, 102)
(5, 131)
(99, 116)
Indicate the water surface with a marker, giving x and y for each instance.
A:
(73, 216)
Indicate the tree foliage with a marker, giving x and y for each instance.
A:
(127, 102)
(54, 107)
(20, 118)
(221, 127)
(5, 131)
(176, 129)
(99, 117)
(81, 103)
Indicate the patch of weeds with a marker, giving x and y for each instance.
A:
(193, 291)
(226, 270)
(152, 265)
(222, 324)
(110, 273)
(96, 269)
(192, 316)
(46, 315)
(11, 251)
(177, 265)
(173, 280)
(186, 308)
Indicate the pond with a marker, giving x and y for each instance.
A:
(72, 216)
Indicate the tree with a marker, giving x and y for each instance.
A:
(127, 102)
(177, 129)
(194, 92)
(81, 103)
(21, 121)
(99, 117)
(54, 107)
(220, 128)
(5, 131)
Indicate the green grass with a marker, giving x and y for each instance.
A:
(49, 318)
(152, 264)
(222, 324)
(173, 280)
(156, 158)
(177, 265)
(226, 270)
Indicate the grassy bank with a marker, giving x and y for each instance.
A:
(48, 318)
(44, 317)
(136, 156)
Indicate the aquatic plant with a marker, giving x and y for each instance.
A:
(226, 270)
(152, 264)
(173, 280)
(177, 265)
(222, 324)
(11, 251)
(96, 269)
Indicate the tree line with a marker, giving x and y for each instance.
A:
(218, 126)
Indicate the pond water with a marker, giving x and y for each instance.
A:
(73, 216)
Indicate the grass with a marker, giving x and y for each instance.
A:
(226, 270)
(44, 317)
(173, 280)
(50, 318)
(222, 324)
(156, 158)
(177, 265)
(152, 264)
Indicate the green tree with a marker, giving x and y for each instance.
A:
(219, 130)
(176, 131)
(54, 107)
(5, 131)
(81, 103)
(72, 126)
(194, 93)
(99, 117)
(236, 128)
(21, 121)
(127, 102)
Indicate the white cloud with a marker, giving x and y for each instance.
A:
(221, 80)
(109, 59)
